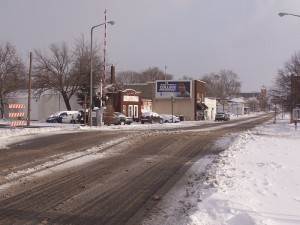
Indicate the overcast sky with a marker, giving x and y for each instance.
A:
(189, 37)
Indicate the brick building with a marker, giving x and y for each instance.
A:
(165, 97)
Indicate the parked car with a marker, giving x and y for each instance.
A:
(71, 117)
(222, 116)
(168, 118)
(57, 117)
(121, 119)
(151, 117)
(129, 120)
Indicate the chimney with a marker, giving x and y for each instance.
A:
(113, 75)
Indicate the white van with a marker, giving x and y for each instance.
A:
(70, 117)
(58, 117)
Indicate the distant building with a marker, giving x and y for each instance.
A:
(295, 91)
(211, 110)
(256, 101)
(234, 106)
(182, 97)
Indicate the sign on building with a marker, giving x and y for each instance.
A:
(175, 89)
(129, 98)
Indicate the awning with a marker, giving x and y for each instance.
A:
(201, 106)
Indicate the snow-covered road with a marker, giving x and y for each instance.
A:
(255, 180)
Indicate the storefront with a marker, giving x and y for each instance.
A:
(181, 97)
(130, 103)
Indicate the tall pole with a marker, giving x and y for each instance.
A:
(104, 68)
(172, 102)
(104, 48)
(29, 90)
(91, 80)
(91, 71)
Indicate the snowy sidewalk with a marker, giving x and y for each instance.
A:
(254, 181)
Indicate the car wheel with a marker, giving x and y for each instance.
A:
(122, 123)
(54, 121)
(161, 121)
(142, 122)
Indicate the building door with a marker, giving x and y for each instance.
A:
(130, 110)
(136, 111)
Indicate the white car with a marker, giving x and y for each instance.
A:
(70, 117)
(57, 117)
(168, 118)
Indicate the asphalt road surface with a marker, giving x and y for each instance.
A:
(118, 179)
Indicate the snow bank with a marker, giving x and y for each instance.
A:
(254, 181)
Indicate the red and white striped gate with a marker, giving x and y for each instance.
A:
(17, 115)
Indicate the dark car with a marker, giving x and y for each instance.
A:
(129, 120)
(151, 117)
(222, 116)
(56, 117)
(121, 119)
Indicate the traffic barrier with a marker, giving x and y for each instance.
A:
(17, 123)
(16, 106)
(16, 115)
(13, 115)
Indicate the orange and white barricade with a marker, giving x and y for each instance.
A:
(19, 115)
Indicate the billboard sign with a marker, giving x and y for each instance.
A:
(171, 88)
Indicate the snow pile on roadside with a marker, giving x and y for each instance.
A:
(8, 136)
(254, 181)
(23, 131)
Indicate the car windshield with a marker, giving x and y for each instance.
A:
(57, 114)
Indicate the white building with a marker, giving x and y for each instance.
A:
(210, 112)
(234, 106)
(41, 107)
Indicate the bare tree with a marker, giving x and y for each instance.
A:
(65, 71)
(231, 83)
(82, 60)
(126, 77)
(281, 90)
(292, 66)
(12, 73)
(55, 72)
(150, 74)
(153, 74)
(82, 68)
(186, 77)
(224, 84)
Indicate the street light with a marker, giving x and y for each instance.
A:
(287, 14)
(91, 73)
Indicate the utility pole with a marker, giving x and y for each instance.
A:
(104, 49)
(29, 91)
